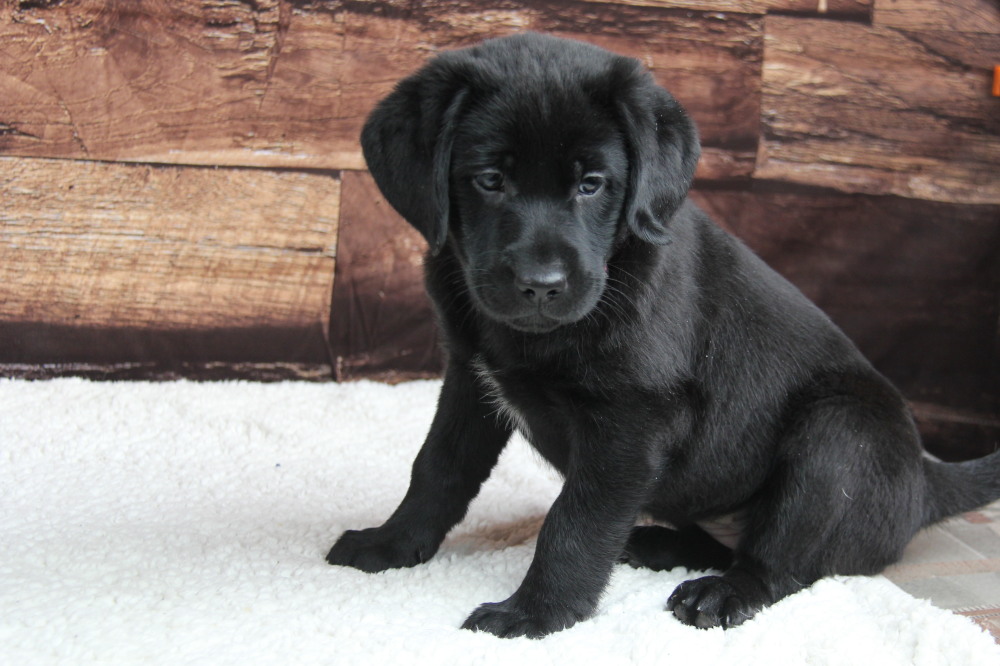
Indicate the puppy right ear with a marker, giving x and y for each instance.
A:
(407, 144)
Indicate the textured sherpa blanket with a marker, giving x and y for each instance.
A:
(185, 523)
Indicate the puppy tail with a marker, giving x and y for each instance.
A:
(954, 488)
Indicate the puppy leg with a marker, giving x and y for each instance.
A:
(662, 549)
(580, 541)
(776, 557)
(840, 501)
(463, 445)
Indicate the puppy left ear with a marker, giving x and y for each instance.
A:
(663, 152)
(407, 143)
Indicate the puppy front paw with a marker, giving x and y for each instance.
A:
(714, 601)
(378, 548)
(510, 619)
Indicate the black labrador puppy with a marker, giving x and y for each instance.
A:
(656, 362)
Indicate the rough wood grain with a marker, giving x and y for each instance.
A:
(880, 111)
(383, 324)
(853, 9)
(939, 15)
(282, 83)
(106, 246)
(179, 82)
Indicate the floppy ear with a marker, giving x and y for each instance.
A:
(663, 152)
(407, 143)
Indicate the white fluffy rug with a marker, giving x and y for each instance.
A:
(185, 523)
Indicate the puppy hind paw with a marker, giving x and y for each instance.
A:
(649, 547)
(661, 548)
(713, 601)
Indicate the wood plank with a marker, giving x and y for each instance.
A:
(277, 83)
(939, 15)
(383, 323)
(148, 81)
(211, 371)
(915, 284)
(112, 246)
(741, 6)
(260, 352)
(879, 111)
(955, 434)
(841, 9)
(853, 9)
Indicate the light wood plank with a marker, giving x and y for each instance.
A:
(951, 15)
(868, 109)
(89, 244)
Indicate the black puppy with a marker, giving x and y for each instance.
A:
(656, 362)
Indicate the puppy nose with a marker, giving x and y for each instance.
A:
(541, 284)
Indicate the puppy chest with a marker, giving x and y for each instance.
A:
(541, 414)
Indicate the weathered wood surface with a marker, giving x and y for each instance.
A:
(880, 111)
(276, 83)
(854, 9)
(86, 244)
(939, 15)
(178, 82)
(384, 325)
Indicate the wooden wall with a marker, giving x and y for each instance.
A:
(183, 192)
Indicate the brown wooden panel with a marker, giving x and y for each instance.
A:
(880, 111)
(915, 284)
(741, 6)
(957, 434)
(951, 15)
(172, 370)
(112, 246)
(842, 9)
(854, 9)
(383, 323)
(260, 352)
(178, 82)
(278, 83)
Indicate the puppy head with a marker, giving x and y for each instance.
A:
(532, 157)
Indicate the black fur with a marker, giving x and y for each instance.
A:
(655, 361)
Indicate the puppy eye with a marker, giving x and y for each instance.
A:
(490, 181)
(590, 185)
